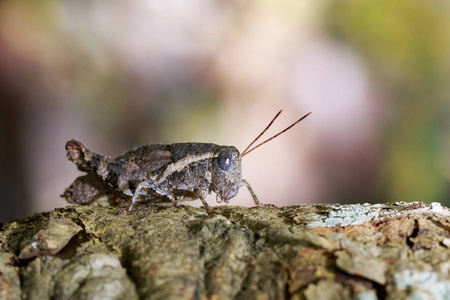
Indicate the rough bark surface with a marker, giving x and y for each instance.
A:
(381, 251)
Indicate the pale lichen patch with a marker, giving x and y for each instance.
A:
(345, 215)
(422, 284)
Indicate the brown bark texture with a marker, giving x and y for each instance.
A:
(360, 251)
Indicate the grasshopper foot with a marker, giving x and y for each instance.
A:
(122, 212)
(267, 205)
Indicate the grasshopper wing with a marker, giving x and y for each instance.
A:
(152, 157)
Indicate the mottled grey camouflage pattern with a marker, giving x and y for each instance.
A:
(158, 173)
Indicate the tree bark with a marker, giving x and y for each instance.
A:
(362, 251)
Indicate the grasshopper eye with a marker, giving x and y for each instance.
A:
(225, 160)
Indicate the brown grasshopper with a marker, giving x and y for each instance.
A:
(163, 173)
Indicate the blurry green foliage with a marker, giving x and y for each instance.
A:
(407, 43)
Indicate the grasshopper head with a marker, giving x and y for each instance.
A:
(226, 172)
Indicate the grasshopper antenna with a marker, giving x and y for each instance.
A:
(247, 151)
(270, 124)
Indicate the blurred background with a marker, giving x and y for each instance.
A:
(118, 74)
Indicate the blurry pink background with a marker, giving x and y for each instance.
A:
(118, 74)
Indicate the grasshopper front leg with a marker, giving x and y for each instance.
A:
(207, 207)
(255, 199)
(147, 185)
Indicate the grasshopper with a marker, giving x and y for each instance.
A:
(163, 173)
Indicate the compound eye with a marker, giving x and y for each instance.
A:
(225, 160)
